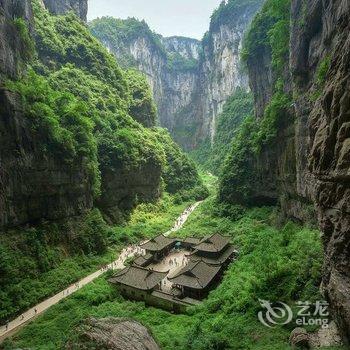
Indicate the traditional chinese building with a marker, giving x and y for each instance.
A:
(159, 246)
(214, 250)
(196, 279)
(208, 258)
(136, 281)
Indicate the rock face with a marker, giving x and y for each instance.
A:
(325, 37)
(60, 7)
(11, 45)
(309, 163)
(113, 334)
(32, 186)
(120, 189)
(190, 80)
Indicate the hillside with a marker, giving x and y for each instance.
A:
(81, 151)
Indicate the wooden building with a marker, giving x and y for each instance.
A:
(208, 258)
(196, 279)
(136, 281)
(215, 250)
(159, 246)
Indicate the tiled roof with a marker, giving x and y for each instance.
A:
(143, 259)
(214, 243)
(191, 240)
(157, 243)
(196, 275)
(219, 260)
(138, 277)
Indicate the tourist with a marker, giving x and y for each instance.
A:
(35, 311)
(7, 325)
(22, 317)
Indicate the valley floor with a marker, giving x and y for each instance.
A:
(127, 253)
(277, 264)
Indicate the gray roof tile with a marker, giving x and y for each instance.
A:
(138, 277)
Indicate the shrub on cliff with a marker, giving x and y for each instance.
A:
(180, 174)
(84, 107)
(269, 33)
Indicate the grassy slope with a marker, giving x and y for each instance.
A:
(274, 264)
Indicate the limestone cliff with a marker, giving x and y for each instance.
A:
(32, 185)
(60, 7)
(320, 63)
(79, 135)
(191, 80)
(296, 149)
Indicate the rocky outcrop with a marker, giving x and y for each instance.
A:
(309, 159)
(35, 185)
(113, 334)
(32, 185)
(11, 43)
(60, 7)
(323, 42)
(190, 80)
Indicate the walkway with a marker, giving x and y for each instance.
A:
(128, 252)
(173, 263)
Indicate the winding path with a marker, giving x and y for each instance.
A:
(128, 252)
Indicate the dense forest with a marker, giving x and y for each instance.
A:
(112, 133)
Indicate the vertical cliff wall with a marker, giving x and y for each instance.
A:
(61, 7)
(191, 80)
(295, 151)
(33, 185)
(320, 63)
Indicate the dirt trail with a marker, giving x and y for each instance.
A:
(128, 252)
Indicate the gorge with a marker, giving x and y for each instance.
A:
(86, 168)
(190, 79)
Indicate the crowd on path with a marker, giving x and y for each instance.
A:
(128, 252)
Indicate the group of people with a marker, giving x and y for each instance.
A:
(176, 262)
(7, 325)
(181, 220)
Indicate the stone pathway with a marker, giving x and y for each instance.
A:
(128, 252)
(183, 218)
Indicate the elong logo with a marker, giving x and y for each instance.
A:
(280, 313)
(274, 315)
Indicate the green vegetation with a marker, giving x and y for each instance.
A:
(38, 262)
(269, 33)
(28, 48)
(142, 107)
(119, 33)
(320, 78)
(180, 174)
(236, 108)
(274, 264)
(230, 8)
(82, 109)
(322, 70)
(176, 62)
(60, 121)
